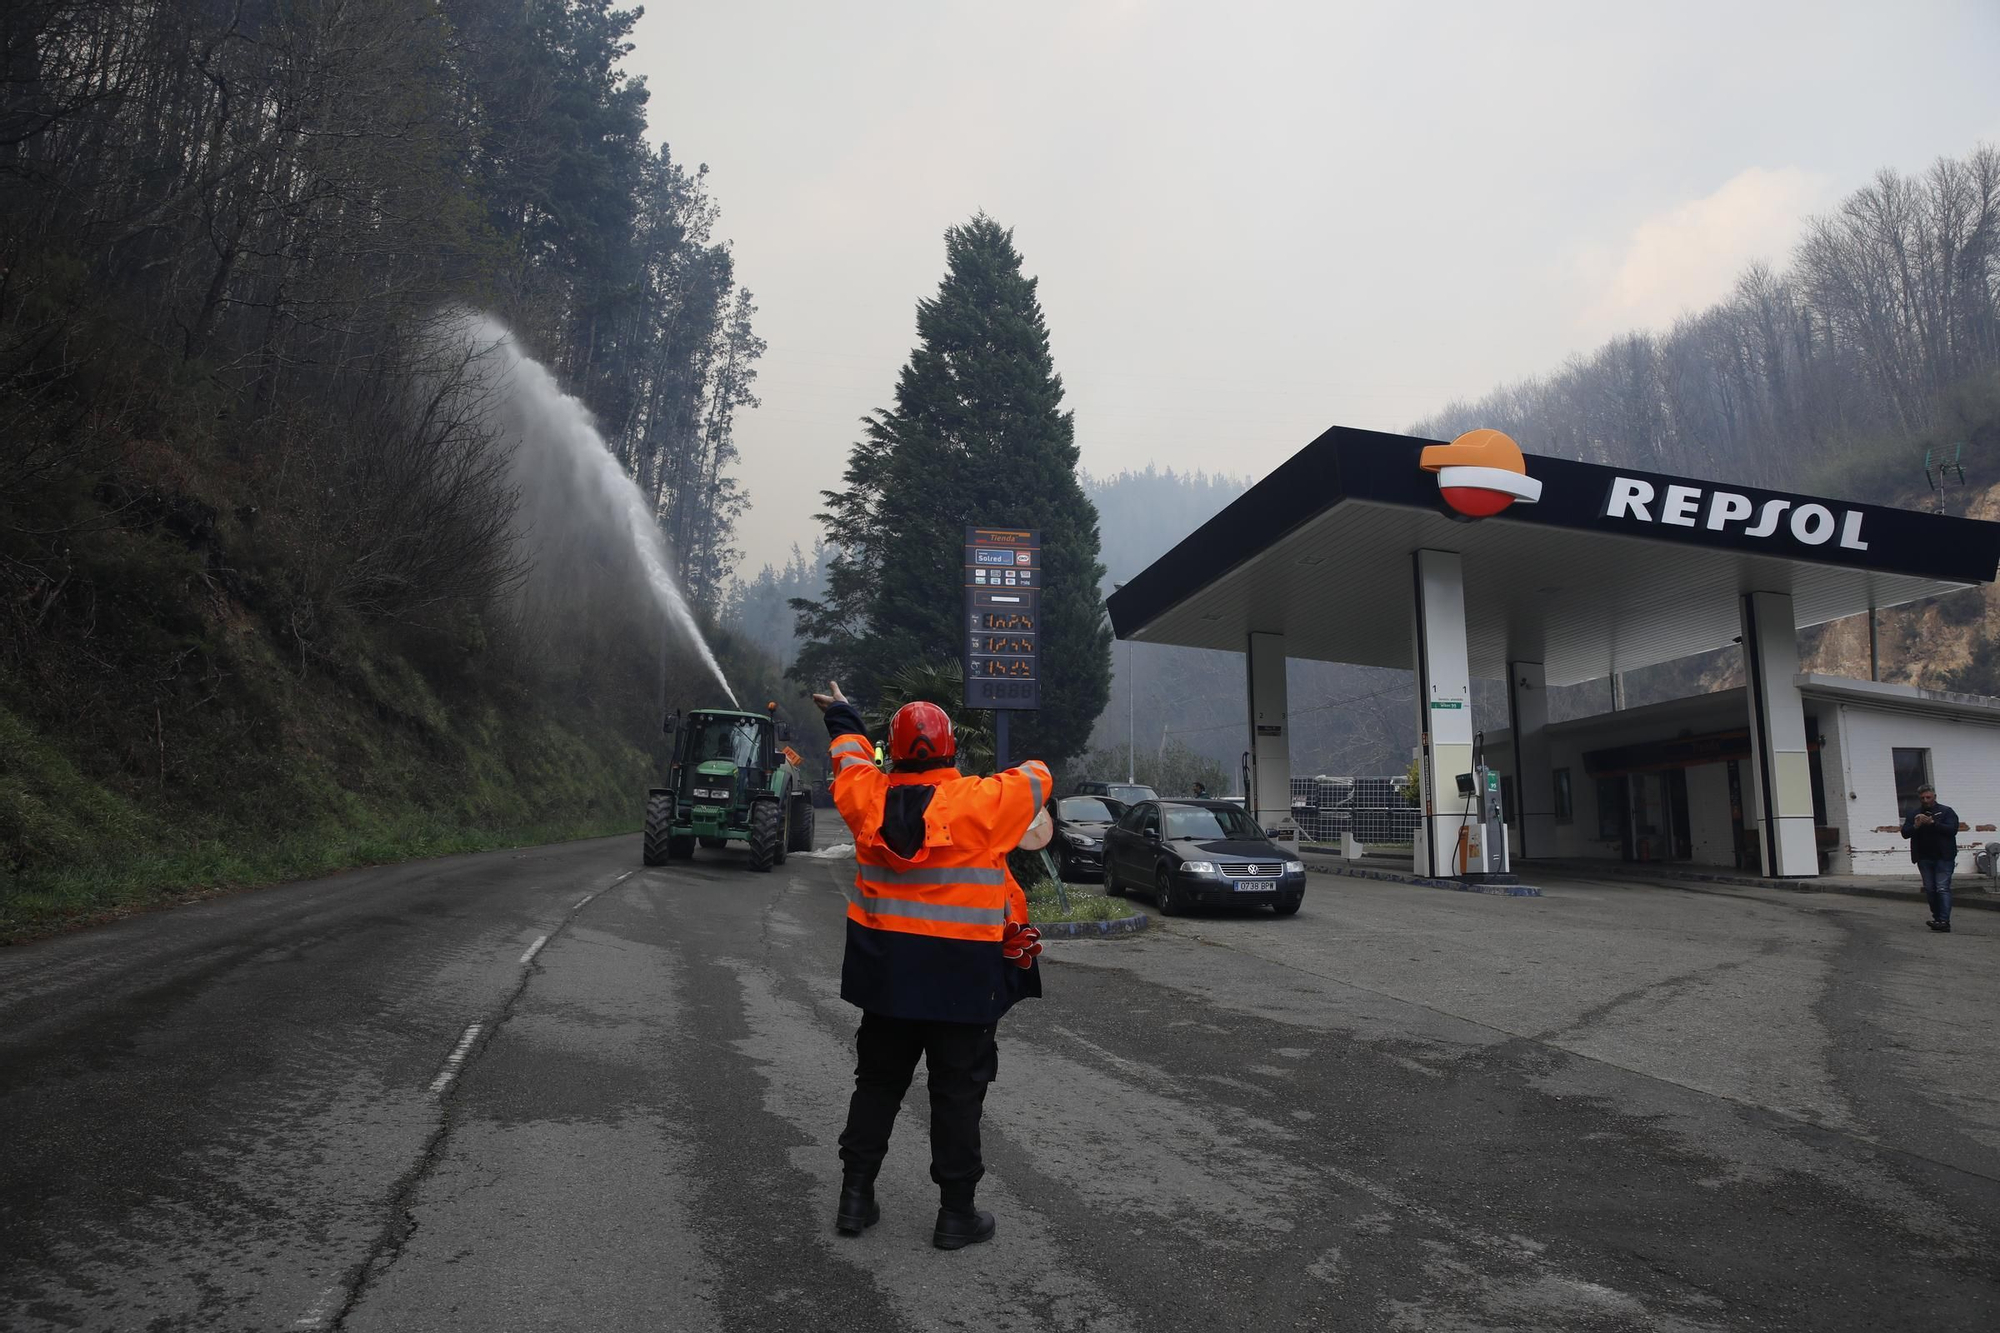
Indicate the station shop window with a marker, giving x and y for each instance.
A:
(1913, 770)
(1565, 803)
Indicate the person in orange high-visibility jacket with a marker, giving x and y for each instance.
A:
(938, 946)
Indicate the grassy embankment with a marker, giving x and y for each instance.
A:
(179, 716)
(295, 775)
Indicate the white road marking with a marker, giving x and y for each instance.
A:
(581, 902)
(316, 1317)
(456, 1058)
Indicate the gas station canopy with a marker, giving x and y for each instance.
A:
(1605, 569)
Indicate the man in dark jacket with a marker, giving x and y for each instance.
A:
(1933, 833)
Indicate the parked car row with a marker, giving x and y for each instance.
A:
(1181, 853)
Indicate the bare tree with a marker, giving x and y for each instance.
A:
(1891, 301)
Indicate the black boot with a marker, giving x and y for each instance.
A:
(858, 1209)
(958, 1228)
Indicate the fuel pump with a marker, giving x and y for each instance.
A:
(1485, 827)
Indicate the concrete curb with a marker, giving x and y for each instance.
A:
(1090, 930)
(1425, 882)
(1977, 900)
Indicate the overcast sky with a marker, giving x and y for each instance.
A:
(1253, 221)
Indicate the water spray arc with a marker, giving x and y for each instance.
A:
(556, 448)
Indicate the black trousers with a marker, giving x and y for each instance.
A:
(961, 1058)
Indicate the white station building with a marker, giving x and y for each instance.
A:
(1472, 560)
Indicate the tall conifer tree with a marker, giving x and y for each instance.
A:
(978, 436)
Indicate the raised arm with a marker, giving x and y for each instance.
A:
(857, 782)
(1010, 801)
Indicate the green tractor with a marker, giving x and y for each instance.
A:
(732, 779)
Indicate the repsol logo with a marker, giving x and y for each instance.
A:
(1725, 511)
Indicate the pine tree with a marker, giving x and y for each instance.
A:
(978, 436)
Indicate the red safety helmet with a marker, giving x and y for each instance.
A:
(921, 731)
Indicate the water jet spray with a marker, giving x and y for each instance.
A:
(555, 445)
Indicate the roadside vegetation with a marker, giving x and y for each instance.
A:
(305, 774)
(1047, 902)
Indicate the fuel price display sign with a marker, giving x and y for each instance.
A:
(1003, 594)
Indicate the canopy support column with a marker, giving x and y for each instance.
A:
(1779, 766)
(1444, 710)
(1534, 772)
(1270, 795)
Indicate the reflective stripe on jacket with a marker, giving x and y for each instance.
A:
(924, 930)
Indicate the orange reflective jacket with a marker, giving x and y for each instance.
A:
(955, 885)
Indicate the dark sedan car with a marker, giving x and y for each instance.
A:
(1199, 853)
(1081, 822)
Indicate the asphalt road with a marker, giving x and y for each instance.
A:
(541, 1091)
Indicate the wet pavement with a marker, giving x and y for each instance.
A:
(544, 1090)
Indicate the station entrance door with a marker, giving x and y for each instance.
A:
(1656, 827)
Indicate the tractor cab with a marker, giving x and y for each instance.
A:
(720, 748)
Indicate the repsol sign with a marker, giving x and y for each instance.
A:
(1712, 509)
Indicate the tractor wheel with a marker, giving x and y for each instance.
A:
(713, 844)
(767, 836)
(800, 834)
(659, 830)
(680, 848)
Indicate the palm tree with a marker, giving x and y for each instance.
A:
(939, 680)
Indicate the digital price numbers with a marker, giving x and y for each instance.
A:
(1003, 588)
(1010, 668)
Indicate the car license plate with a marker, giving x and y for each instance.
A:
(1251, 886)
